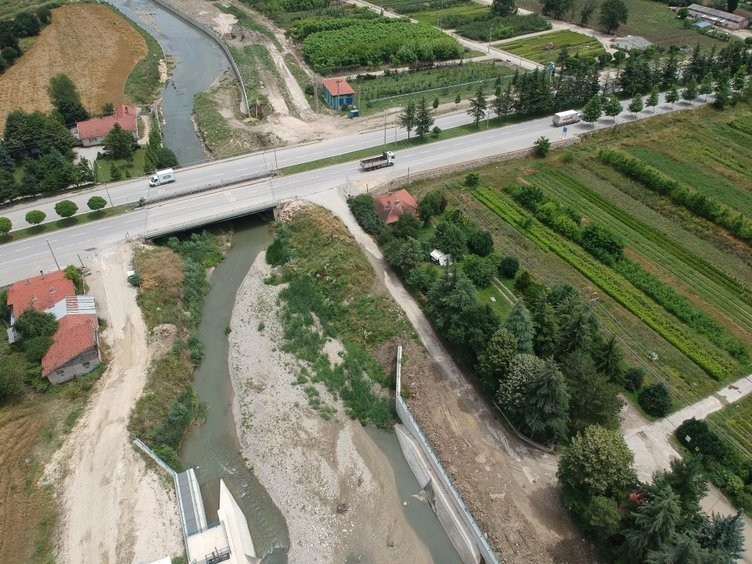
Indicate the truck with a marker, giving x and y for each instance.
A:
(162, 177)
(384, 159)
(565, 118)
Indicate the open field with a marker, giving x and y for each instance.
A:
(9, 9)
(648, 19)
(546, 47)
(94, 46)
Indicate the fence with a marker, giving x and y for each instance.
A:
(217, 39)
(403, 412)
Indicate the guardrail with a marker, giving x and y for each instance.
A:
(205, 188)
(217, 39)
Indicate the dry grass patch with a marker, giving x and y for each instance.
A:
(162, 282)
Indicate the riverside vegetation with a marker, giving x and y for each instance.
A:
(172, 281)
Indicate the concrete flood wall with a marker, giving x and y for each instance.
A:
(455, 517)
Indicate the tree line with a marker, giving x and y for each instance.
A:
(25, 24)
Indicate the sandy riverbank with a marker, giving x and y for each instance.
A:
(333, 485)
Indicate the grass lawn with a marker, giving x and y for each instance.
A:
(540, 50)
(132, 168)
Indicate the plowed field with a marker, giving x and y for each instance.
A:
(94, 46)
(22, 505)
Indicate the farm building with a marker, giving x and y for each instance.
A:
(75, 344)
(93, 131)
(337, 92)
(389, 207)
(631, 42)
(718, 17)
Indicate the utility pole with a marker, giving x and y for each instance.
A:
(52, 253)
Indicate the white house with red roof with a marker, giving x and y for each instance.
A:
(390, 206)
(93, 131)
(75, 344)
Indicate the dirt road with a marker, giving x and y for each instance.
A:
(113, 509)
(510, 488)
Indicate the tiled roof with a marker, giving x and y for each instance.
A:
(40, 292)
(331, 84)
(75, 335)
(126, 116)
(392, 205)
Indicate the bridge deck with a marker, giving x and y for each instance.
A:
(191, 503)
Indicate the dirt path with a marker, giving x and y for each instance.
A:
(511, 489)
(113, 509)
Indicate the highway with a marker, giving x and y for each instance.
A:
(76, 245)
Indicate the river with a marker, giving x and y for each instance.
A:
(213, 448)
(198, 63)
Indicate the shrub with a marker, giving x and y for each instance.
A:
(433, 203)
(362, 209)
(634, 379)
(96, 203)
(541, 147)
(655, 400)
(509, 267)
(32, 323)
(472, 179)
(5, 225)
(66, 208)
(35, 217)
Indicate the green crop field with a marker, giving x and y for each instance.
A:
(546, 47)
(735, 421)
(443, 17)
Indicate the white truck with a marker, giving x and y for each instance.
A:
(384, 159)
(162, 177)
(565, 118)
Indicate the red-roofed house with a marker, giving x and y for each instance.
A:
(337, 92)
(74, 350)
(40, 292)
(389, 207)
(93, 131)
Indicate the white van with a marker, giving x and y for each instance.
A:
(162, 177)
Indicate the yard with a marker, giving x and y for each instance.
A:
(545, 48)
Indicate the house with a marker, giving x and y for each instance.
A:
(337, 92)
(75, 344)
(93, 131)
(718, 17)
(74, 350)
(442, 258)
(631, 42)
(390, 206)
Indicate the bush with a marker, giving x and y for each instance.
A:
(96, 203)
(5, 225)
(634, 379)
(655, 400)
(509, 267)
(362, 209)
(472, 179)
(32, 323)
(66, 208)
(35, 217)
(541, 147)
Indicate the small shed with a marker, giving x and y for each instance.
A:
(631, 42)
(337, 92)
(702, 25)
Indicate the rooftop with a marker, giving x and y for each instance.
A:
(337, 86)
(716, 13)
(40, 292)
(75, 334)
(631, 42)
(126, 116)
(389, 207)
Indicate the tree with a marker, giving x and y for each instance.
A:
(655, 522)
(64, 96)
(595, 400)
(407, 225)
(96, 203)
(634, 378)
(408, 118)
(118, 143)
(66, 208)
(732, 5)
(592, 110)
(612, 108)
(587, 11)
(655, 400)
(722, 93)
(423, 119)
(636, 105)
(35, 217)
(652, 100)
(503, 8)
(602, 517)
(451, 239)
(509, 267)
(433, 203)
(503, 104)
(690, 91)
(165, 158)
(706, 86)
(724, 534)
(597, 463)
(404, 254)
(480, 242)
(520, 324)
(480, 270)
(672, 95)
(689, 483)
(457, 98)
(608, 360)
(546, 406)
(740, 78)
(478, 107)
(435, 103)
(34, 133)
(5, 226)
(513, 389)
(546, 329)
(26, 24)
(32, 323)
(613, 14)
(556, 8)
(493, 363)
(541, 146)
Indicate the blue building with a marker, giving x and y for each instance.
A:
(337, 92)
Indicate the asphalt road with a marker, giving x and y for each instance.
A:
(75, 245)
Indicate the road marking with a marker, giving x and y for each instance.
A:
(230, 196)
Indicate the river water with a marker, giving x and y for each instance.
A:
(213, 448)
(198, 63)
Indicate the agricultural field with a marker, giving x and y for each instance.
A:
(90, 43)
(647, 18)
(442, 82)
(545, 48)
(735, 420)
(9, 9)
(680, 301)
